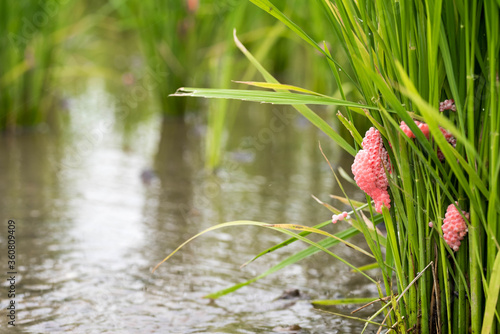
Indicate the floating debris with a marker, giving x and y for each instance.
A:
(287, 329)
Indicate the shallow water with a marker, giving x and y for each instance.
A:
(89, 229)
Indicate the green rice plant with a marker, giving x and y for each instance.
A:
(29, 33)
(428, 75)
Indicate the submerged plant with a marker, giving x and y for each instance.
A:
(406, 57)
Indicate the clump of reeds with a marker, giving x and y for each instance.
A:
(428, 75)
(29, 32)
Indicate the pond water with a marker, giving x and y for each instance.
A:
(92, 220)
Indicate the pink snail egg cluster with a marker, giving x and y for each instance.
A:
(454, 227)
(447, 105)
(369, 169)
(372, 161)
(421, 125)
(425, 129)
(342, 216)
(450, 139)
(406, 129)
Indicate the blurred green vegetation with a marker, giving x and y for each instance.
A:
(190, 42)
(145, 51)
(29, 32)
(38, 42)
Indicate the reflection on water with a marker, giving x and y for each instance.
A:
(90, 230)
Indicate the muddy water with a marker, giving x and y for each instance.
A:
(92, 219)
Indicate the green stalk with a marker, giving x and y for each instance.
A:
(422, 247)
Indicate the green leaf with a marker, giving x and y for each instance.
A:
(282, 98)
(366, 321)
(283, 87)
(274, 11)
(283, 244)
(344, 301)
(369, 266)
(492, 299)
(317, 231)
(326, 243)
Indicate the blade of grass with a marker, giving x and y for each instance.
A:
(345, 301)
(317, 231)
(492, 299)
(326, 243)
